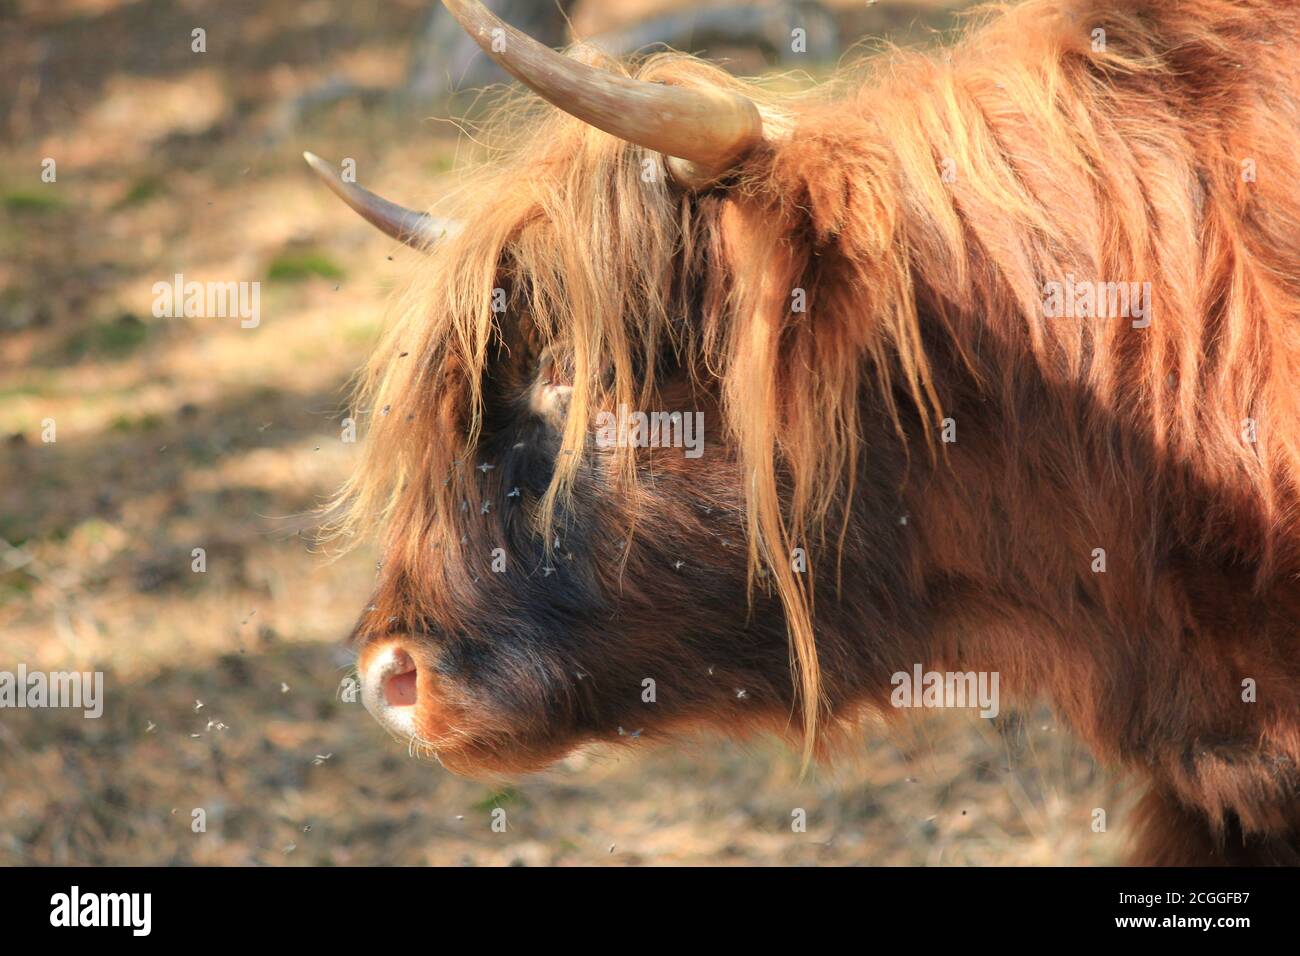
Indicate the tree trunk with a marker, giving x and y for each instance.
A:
(447, 59)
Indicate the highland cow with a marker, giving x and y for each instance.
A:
(912, 460)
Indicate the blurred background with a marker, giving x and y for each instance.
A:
(224, 688)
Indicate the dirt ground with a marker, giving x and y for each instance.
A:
(223, 687)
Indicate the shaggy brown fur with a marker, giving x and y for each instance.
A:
(925, 301)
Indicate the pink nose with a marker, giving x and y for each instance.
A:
(389, 688)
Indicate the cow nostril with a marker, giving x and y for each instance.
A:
(399, 685)
(400, 690)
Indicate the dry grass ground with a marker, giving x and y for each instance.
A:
(175, 434)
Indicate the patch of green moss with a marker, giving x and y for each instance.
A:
(32, 201)
(297, 266)
(111, 339)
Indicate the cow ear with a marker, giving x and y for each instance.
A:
(814, 241)
(821, 312)
(837, 184)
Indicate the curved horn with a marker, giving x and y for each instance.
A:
(418, 230)
(707, 131)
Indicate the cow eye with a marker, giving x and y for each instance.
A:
(548, 396)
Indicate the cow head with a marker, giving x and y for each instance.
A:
(609, 442)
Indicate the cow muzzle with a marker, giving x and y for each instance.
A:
(397, 691)
(408, 694)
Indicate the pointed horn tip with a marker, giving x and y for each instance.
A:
(417, 229)
(318, 164)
